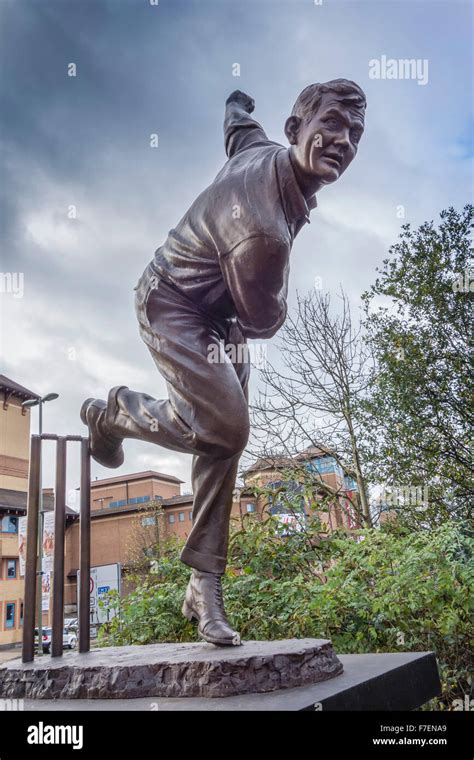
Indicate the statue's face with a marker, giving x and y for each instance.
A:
(327, 143)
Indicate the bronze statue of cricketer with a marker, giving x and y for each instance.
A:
(220, 278)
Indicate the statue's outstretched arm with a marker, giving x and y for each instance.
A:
(240, 130)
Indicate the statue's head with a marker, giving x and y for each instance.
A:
(324, 129)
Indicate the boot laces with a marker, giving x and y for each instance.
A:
(218, 591)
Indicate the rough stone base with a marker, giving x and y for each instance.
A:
(395, 681)
(172, 670)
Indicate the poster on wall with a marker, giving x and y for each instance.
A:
(48, 542)
(22, 544)
(46, 591)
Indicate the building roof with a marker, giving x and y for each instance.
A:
(126, 509)
(15, 389)
(16, 501)
(313, 451)
(273, 462)
(145, 475)
(12, 499)
(177, 500)
(269, 463)
(70, 512)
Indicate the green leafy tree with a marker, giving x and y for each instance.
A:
(418, 421)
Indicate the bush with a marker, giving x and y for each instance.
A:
(385, 590)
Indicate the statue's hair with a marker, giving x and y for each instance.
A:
(309, 100)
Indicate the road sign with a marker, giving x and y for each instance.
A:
(104, 578)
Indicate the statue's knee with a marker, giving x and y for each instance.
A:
(239, 437)
(231, 437)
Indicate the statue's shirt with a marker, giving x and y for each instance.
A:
(230, 252)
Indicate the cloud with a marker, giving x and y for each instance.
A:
(84, 142)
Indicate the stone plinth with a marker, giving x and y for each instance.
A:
(173, 670)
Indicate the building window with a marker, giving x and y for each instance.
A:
(134, 500)
(21, 613)
(171, 518)
(9, 524)
(148, 521)
(191, 515)
(11, 568)
(120, 503)
(349, 483)
(250, 507)
(181, 516)
(325, 464)
(10, 615)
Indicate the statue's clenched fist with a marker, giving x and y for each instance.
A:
(243, 99)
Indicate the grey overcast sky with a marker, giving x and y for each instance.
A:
(84, 141)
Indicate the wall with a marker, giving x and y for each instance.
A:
(14, 458)
(11, 590)
(14, 445)
(101, 496)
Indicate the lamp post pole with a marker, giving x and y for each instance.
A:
(39, 595)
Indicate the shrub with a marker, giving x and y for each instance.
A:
(383, 590)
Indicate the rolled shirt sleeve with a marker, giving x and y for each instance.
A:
(240, 130)
(256, 275)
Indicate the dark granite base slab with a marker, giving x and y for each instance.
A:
(172, 670)
(399, 681)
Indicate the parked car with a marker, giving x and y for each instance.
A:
(69, 638)
(46, 639)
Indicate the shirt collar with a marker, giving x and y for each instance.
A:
(296, 207)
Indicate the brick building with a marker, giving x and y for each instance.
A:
(332, 483)
(132, 512)
(128, 514)
(116, 506)
(14, 462)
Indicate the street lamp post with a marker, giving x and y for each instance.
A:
(28, 404)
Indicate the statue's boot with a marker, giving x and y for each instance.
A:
(204, 603)
(106, 448)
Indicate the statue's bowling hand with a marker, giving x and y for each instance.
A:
(242, 99)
